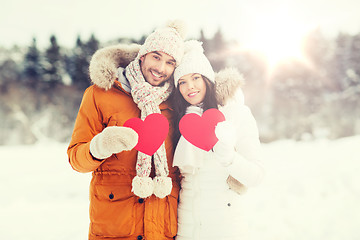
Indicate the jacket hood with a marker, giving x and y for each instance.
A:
(105, 62)
(227, 82)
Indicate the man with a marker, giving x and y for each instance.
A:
(132, 195)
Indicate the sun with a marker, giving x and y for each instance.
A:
(277, 36)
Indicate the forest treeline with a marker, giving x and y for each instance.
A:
(41, 89)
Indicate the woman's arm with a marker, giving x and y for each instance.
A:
(239, 147)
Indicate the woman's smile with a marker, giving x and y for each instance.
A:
(193, 94)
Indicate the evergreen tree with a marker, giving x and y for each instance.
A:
(354, 74)
(218, 42)
(350, 97)
(205, 41)
(217, 54)
(317, 51)
(78, 64)
(53, 65)
(341, 61)
(296, 100)
(9, 73)
(90, 47)
(316, 48)
(344, 113)
(141, 41)
(32, 69)
(78, 71)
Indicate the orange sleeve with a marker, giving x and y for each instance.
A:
(88, 123)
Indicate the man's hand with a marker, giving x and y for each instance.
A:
(112, 140)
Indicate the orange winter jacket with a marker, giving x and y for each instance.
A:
(115, 212)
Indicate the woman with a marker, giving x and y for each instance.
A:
(210, 200)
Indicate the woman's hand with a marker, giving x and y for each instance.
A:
(224, 149)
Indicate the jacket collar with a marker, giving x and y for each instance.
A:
(123, 80)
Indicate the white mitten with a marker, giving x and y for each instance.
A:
(224, 149)
(112, 140)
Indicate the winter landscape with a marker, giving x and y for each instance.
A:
(311, 191)
(300, 61)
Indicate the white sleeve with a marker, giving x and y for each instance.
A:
(247, 167)
(188, 157)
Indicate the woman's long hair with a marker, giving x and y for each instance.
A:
(179, 105)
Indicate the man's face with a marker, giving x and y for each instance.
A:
(157, 67)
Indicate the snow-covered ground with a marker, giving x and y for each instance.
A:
(311, 192)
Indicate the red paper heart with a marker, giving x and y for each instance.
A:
(200, 130)
(152, 132)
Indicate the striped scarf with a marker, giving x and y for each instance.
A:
(148, 98)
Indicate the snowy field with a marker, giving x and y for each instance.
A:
(311, 192)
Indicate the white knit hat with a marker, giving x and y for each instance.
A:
(169, 39)
(194, 61)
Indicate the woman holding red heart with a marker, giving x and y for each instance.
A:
(213, 182)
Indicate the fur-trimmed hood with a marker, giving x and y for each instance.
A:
(228, 82)
(105, 62)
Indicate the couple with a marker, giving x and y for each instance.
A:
(137, 196)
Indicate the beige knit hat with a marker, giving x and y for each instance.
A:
(168, 39)
(194, 61)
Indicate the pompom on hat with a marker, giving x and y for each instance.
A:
(194, 61)
(168, 39)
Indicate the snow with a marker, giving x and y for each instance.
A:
(41, 196)
(311, 191)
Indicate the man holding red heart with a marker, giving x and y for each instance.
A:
(132, 195)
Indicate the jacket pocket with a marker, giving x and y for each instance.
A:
(112, 211)
(170, 221)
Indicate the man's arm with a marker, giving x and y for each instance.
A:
(88, 124)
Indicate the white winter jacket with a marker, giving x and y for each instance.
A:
(208, 208)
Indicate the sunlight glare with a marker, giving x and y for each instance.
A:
(278, 37)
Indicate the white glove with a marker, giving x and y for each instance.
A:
(224, 149)
(112, 140)
(224, 153)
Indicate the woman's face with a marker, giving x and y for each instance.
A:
(193, 88)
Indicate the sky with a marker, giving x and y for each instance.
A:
(248, 21)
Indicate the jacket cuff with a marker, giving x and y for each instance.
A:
(91, 160)
(84, 161)
(249, 173)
